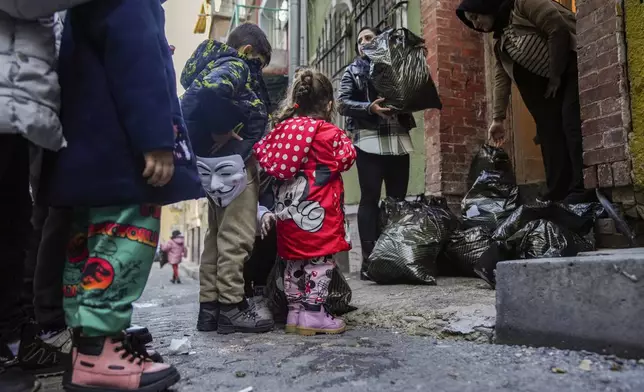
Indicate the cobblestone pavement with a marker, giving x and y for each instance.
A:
(361, 360)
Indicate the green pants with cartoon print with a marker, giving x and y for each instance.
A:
(109, 257)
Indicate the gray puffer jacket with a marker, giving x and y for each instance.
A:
(29, 89)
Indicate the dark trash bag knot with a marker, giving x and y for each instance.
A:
(491, 200)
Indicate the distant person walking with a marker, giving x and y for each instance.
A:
(535, 47)
(176, 251)
(381, 139)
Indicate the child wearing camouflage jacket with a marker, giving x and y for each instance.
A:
(225, 107)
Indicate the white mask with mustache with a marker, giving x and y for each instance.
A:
(222, 178)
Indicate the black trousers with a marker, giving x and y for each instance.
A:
(258, 267)
(50, 264)
(373, 170)
(15, 228)
(558, 122)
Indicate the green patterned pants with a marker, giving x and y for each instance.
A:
(109, 257)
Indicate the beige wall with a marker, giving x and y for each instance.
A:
(180, 20)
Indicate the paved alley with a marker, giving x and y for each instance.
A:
(361, 360)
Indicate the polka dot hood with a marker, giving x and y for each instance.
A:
(307, 157)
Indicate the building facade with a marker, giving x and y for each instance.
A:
(610, 42)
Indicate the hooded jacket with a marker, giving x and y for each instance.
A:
(176, 250)
(29, 88)
(307, 157)
(224, 92)
(119, 102)
(547, 18)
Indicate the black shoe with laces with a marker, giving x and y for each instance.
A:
(208, 316)
(242, 317)
(15, 379)
(44, 354)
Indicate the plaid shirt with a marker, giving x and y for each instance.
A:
(390, 139)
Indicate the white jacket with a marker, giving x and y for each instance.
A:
(29, 89)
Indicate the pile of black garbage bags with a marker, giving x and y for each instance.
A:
(423, 239)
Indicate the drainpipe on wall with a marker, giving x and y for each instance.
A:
(293, 36)
(304, 33)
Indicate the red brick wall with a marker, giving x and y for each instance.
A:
(457, 62)
(603, 86)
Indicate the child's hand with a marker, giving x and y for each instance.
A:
(267, 223)
(159, 167)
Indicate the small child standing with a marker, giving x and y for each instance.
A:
(176, 251)
(306, 154)
(225, 107)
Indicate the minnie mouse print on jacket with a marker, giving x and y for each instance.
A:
(307, 157)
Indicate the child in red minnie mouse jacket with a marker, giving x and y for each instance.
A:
(306, 154)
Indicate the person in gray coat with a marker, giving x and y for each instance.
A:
(29, 117)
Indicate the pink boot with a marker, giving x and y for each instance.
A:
(314, 319)
(110, 364)
(293, 317)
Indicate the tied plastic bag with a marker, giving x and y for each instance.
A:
(578, 218)
(474, 253)
(541, 239)
(161, 257)
(490, 158)
(491, 200)
(337, 302)
(399, 72)
(413, 237)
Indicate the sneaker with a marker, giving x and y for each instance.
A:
(44, 354)
(140, 338)
(111, 364)
(173, 281)
(242, 317)
(16, 380)
(293, 317)
(7, 357)
(314, 319)
(208, 316)
(178, 281)
(261, 305)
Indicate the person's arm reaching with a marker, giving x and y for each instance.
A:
(502, 90)
(34, 9)
(346, 106)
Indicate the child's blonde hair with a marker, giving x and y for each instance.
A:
(308, 95)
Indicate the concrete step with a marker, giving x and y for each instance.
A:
(593, 302)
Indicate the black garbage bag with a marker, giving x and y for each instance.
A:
(411, 241)
(474, 253)
(578, 218)
(337, 303)
(491, 200)
(490, 158)
(540, 239)
(399, 72)
(161, 257)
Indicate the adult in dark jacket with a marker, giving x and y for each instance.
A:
(382, 141)
(535, 47)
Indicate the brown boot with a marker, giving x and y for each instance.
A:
(110, 364)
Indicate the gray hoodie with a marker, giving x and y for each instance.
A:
(29, 89)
